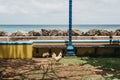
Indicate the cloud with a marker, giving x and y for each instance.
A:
(31, 6)
(96, 11)
(56, 11)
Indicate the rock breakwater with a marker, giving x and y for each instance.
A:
(55, 32)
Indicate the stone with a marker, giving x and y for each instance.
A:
(76, 32)
(45, 32)
(104, 33)
(92, 32)
(34, 33)
(3, 33)
(117, 32)
(18, 33)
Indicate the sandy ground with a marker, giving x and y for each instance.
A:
(46, 69)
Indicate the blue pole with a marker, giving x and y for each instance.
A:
(70, 21)
(70, 48)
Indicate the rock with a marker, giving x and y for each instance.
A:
(117, 32)
(57, 33)
(53, 32)
(65, 33)
(18, 33)
(45, 32)
(34, 33)
(92, 32)
(111, 33)
(3, 33)
(95, 32)
(76, 32)
(104, 33)
(62, 33)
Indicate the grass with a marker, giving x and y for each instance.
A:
(109, 64)
(73, 61)
(102, 63)
(105, 64)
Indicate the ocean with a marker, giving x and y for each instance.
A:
(25, 28)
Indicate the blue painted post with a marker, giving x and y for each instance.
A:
(70, 48)
(70, 21)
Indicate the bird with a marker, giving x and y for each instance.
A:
(57, 58)
(45, 55)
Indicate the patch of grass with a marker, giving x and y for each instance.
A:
(114, 77)
(111, 64)
(86, 78)
(104, 79)
(1, 69)
(105, 64)
(73, 61)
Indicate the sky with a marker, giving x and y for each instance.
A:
(56, 11)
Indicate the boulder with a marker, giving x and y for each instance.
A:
(62, 33)
(104, 33)
(34, 33)
(111, 33)
(92, 32)
(117, 32)
(58, 33)
(3, 33)
(76, 32)
(45, 32)
(18, 33)
(53, 32)
(65, 33)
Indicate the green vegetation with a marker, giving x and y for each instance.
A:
(73, 61)
(111, 65)
(101, 63)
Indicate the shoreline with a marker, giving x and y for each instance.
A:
(58, 32)
(27, 38)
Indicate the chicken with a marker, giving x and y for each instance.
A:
(45, 55)
(57, 58)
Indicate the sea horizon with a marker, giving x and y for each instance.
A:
(10, 28)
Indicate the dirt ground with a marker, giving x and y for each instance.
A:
(47, 69)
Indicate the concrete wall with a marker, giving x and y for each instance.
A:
(38, 52)
(85, 51)
(98, 51)
(15, 51)
(82, 51)
(21, 38)
(27, 50)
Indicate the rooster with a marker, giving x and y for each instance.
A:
(57, 58)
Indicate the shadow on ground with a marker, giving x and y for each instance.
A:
(107, 65)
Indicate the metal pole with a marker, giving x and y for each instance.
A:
(70, 21)
(70, 48)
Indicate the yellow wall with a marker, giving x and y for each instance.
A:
(15, 51)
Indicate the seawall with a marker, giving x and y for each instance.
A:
(27, 38)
